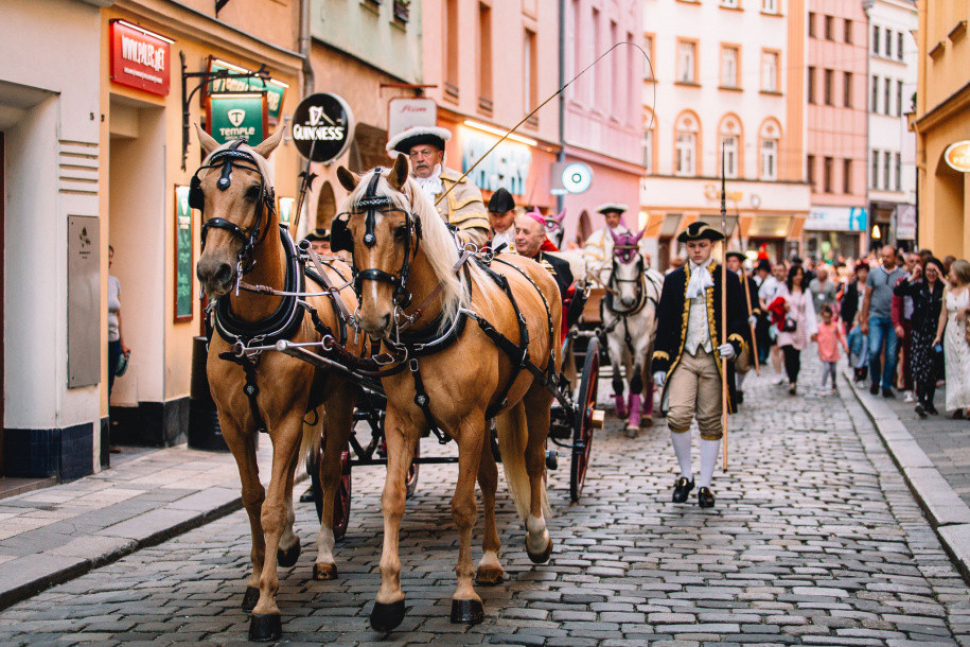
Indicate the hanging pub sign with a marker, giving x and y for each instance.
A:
(140, 58)
(275, 90)
(323, 127)
(237, 116)
(957, 156)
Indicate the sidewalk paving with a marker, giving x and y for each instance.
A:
(934, 457)
(52, 535)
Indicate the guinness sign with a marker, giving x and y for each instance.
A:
(323, 127)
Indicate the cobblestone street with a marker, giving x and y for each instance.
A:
(815, 540)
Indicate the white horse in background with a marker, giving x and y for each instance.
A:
(630, 325)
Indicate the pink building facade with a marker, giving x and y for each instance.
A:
(602, 123)
(837, 118)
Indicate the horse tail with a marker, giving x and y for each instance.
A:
(312, 433)
(513, 436)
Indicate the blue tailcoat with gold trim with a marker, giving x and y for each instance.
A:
(672, 316)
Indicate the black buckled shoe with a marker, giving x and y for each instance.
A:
(682, 488)
(705, 498)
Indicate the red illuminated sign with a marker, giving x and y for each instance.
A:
(139, 58)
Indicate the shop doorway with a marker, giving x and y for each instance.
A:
(137, 234)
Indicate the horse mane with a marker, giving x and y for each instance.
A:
(438, 243)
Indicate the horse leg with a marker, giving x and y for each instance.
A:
(338, 425)
(636, 388)
(266, 622)
(616, 362)
(389, 606)
(243, 448)
(466, 606)
(538, 543)
(289, 551)
(489, 568)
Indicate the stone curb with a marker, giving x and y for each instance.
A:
(948, 515)
(27, 576)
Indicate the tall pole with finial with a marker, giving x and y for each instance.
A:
(724, 372)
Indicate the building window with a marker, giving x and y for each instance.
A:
(687, 62)
(811, 24)
(595, 92)
(886, 164)
(875, 39)
(874, 169)
(769, 71)
(730, 4)
(899, 172)
(649, 128)
(729, 66)
(810, 167)
(847, 31)
(614, 70)
(575, 91)
(530, 72)
(875, 95)
(485, 57)
(899, 45)
(889, 43)
(887, 105)
(770, 136)
(899, 98)
(829, 75)
(769, 6)
(650, 63)
(847, 176)
(847, 89)
(450, 48)
(686, 155)
(827, 179)
(829, 28)
(811, 84)
(731, 145)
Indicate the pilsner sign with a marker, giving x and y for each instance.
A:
(238, 116)
(323, 127)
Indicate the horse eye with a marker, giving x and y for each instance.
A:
(252, 193)
(401, 232)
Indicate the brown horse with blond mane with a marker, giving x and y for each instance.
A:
(438, 311)
(265, 389)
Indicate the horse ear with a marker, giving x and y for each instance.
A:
(268, 145)
(561, 216)
(206, 140)
(348, 179)
(639, 236)
(399, 172)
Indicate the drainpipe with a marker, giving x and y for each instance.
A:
(561, 156)
(305, 47)
(871, 216)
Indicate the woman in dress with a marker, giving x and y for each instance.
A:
(953, 332)
(801, 314)
(925, 287)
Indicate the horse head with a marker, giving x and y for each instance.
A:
(554, 227)
(401, 247)
(626, 277)
(234, 190)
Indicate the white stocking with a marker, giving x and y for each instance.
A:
(682, 449)
(709, 450)
(740, 380)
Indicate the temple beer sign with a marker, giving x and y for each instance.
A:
(957, 156)
(237, 116)
(275, 90)
(323, 127)
(140, 58)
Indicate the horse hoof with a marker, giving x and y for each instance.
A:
(543, 557)
(250, 599)
(323, 571)
(466, 612)
(386, 617)
(489, 576)
(632, 432)
(287, 558)
(646, 422)
(265, 627)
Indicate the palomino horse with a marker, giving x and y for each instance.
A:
(630, 323)
(471, 342)
(267, 390)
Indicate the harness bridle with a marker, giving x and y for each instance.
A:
(265, 206)
(616, 280)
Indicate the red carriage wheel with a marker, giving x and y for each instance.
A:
(583, 423)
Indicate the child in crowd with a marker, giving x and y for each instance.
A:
(830, 336)
(858, 351)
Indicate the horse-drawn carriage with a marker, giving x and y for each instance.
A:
(462, 346)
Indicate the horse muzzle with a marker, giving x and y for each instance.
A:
(216, 276)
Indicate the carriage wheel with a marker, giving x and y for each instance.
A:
(341, 509)
(583, 423)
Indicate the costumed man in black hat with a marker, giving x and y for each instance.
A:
(598, 248)
(320, 241)
(530, 232)
(688, 352)
(501, 216)
(463, 208)
(745, 361)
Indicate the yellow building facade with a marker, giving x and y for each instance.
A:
(942, 119)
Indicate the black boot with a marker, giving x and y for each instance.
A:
(705, 498)
(682, 488)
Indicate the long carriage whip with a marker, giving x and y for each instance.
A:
(724, 375)
(550, 98)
